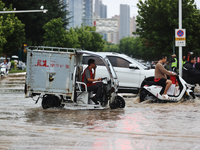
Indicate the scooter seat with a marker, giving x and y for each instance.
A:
(149, 83)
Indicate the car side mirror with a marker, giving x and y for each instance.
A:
(132, 66)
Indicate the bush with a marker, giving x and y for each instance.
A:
(12, 64)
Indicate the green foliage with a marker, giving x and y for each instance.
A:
(12, 33)
(89, 39)
(71, 39)
(84, 38)
(2, 37)
(109, 47)
(35, 21)
(54, 33)
(131, 46)
(16, 71)
(97, 42)
(158, 20)
(12, 64)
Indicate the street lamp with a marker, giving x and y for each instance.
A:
(25, 11)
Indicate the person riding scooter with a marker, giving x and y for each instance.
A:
(190, 74)
(161, 75)
(4, 67)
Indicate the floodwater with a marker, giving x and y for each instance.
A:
(24, 125)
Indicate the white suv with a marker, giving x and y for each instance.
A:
(130, 73)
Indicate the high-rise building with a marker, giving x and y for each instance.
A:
(81, 11)
(97, 7)
(124, 21)
(88, 15)
(101, 11)
(75, 7)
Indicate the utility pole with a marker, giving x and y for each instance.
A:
(180, 47)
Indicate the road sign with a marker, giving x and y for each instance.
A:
(180, 37)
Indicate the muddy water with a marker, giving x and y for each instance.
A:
(25, 125)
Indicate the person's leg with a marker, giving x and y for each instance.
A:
(93, 88)
(99, 86)
(168, 84)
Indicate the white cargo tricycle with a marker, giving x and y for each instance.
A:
(54, 75)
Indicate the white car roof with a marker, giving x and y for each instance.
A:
(122, 56)
(99, 54)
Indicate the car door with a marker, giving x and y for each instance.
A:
(128, 78)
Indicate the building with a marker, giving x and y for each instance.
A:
(124, 21)
(101, 11)
(115, 36)
(81, 11)
(88, 12)
(75, 7)
(97, 8)
(133, 26)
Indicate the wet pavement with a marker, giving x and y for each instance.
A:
(25, 125)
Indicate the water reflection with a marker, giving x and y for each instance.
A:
(79, 118)
(25, 125)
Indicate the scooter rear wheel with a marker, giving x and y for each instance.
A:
(143, 95)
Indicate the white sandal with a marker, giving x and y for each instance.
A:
(165, 96)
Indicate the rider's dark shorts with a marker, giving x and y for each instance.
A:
(161, 82)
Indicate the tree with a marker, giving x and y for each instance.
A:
(54, 33)
(84, 38)
(110, 47)
(71, 39)
(133, 47)
(2, 37)
(35, 21)
(158, 20)
(11, 32)
(97, 42)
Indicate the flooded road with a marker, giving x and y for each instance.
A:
(25, 125)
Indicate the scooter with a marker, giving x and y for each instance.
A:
(181, 89)
(3, 70)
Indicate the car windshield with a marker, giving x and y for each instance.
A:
(111, 68)
(141, 65)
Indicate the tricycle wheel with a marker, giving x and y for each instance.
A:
(113, 105)
(118, 103)
(121, 102)
(50, 101)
